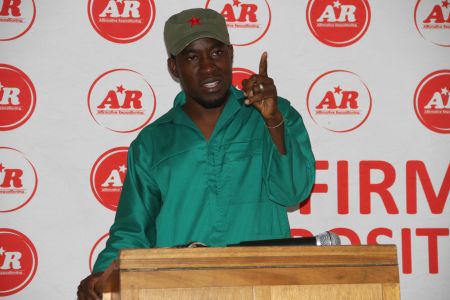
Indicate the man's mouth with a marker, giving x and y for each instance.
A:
(212, 85)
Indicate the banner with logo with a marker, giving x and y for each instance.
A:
(80, 79)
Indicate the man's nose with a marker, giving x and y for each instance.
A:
(207, 65)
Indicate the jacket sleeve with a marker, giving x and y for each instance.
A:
(289, 178)
(139, 205)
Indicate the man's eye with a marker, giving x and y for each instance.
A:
(191, 57)
(217, 53)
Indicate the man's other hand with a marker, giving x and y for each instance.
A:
(87, 290)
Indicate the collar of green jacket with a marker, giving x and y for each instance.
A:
(178, 116)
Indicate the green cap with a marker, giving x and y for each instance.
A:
(189, 25)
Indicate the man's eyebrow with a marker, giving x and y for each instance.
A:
(218, 44)
(187, 50)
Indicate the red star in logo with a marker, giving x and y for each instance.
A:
(194, 21)
(120, 89)
(445, 3)
(236, 3)
(337, 90)
(1, 168)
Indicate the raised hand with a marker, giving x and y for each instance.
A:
(261, 92)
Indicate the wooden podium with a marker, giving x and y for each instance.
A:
(292, 272)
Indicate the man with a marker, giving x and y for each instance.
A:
(221, 166)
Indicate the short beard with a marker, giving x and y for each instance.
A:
(213, 104)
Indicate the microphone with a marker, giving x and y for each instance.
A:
(322, 239)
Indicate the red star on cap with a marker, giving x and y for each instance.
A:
(445, 3)
(337, 90)
(194, 21)
(120, 89)
(236, 3)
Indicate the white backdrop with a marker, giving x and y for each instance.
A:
(65, 57)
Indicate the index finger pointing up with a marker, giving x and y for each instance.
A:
(263, 64)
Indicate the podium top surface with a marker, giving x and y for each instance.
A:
(242, 257)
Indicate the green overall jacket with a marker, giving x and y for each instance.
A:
(233, 187)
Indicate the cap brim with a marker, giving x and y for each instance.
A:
(184, 42)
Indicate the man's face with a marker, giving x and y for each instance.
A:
(204, 69)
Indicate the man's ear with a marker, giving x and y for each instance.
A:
(231, 50)
(172, 65)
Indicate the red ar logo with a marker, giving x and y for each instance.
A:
(339, 101)
(246, 12)
(348, 101)
(338, 23)
(439, 101)
(10, 96)
(129, 9)
(240, 74)
(11, 8)
(114, 179)
(122, 100)
(17, 17)
(247, 21)
(107, 176)
(132, 99)
(437, 14)
(17, 97)
(18, 261)
(12, 178)
(431, 101)
(432, 19)
(18, 180)
(122, 21)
